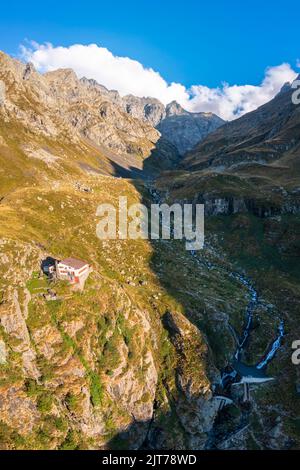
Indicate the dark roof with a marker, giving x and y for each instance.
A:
(74, 262)
(47, 262)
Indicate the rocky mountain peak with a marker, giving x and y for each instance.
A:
(148, 109)
(184, 134)
(12, 68)
(285, 87)
(175, 109)
(62, 75)
(92, 82)
(112, 95)
(184, 129)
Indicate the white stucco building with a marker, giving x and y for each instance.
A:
(73, 270)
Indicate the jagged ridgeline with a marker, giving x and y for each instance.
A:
(135, 359)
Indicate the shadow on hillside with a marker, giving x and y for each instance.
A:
(155, 433)
(140, 435)
(129, 173)
(164, 156)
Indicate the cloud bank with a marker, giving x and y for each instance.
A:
(129, 76)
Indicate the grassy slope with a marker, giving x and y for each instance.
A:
(42, 213)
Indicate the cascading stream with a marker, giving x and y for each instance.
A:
(232, 375)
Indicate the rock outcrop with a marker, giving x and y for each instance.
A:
(2, 92)
(147, 109)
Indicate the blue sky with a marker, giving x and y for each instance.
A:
(188, 41)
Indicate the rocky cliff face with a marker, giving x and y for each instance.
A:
(59, 105)
(181, 128)
(185, 129)
(147, 109)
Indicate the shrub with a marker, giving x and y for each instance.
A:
(70, 442)
(71, 401)
(44, 403)
(60, 424)
(96, 389)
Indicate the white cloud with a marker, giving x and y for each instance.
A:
(130, 76)
(119, 73)
(230, 102)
